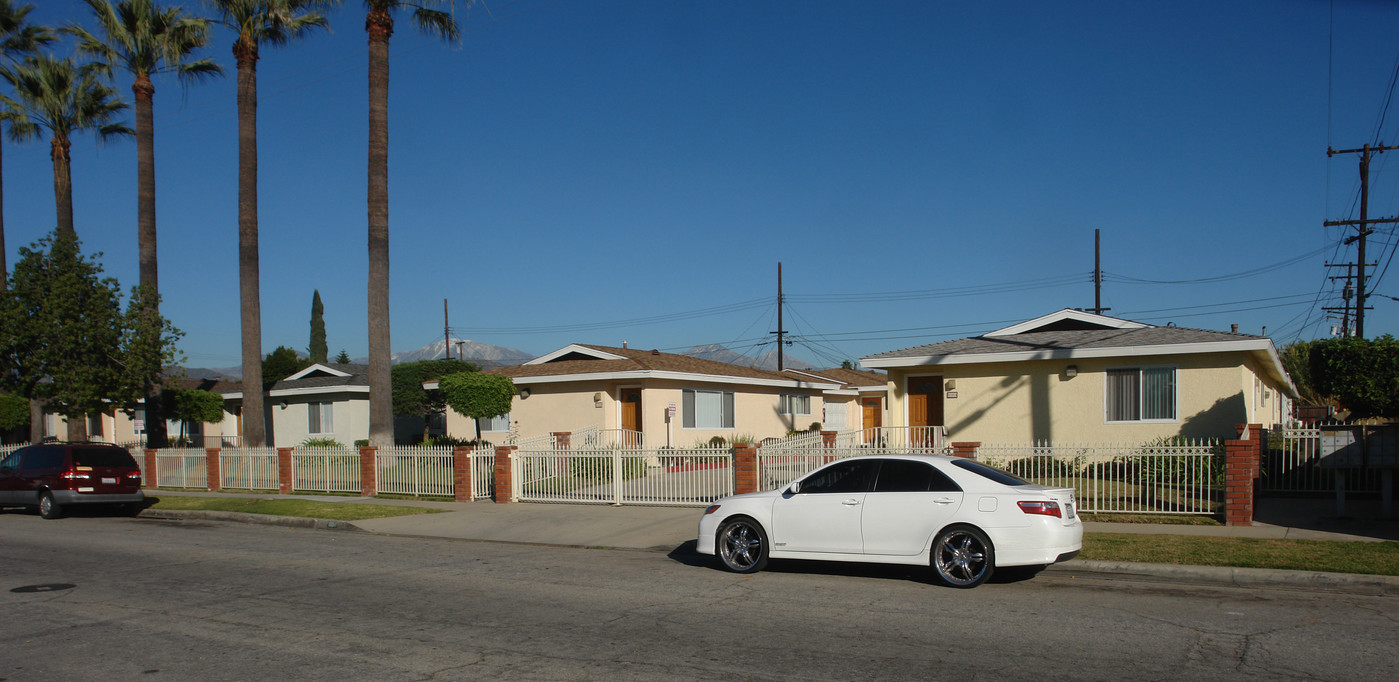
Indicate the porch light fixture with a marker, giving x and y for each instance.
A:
(950, 384)
(597, 400)
(524, 393)
(1071, 371)
(284, 404)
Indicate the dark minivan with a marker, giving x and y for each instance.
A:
(52, 476)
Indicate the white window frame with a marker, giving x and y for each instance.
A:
(1141, 387)
(324, 414)
(490, 425)
(138, 416)
(787, 400)
(689, 418)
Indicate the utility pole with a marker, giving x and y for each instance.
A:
(1347, 293)
(1362, 226)
(446, 333)
(1097, 277)
(780, 331)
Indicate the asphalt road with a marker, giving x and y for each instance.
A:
(118, 598)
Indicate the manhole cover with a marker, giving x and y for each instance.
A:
(51, 587)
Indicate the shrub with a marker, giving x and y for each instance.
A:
(323, 443)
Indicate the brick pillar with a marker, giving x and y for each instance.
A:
(368, 486)
(828, 439)
(562, 440)
(965, 449)
(214, 478)
(151, 479)
(1240, 467)
(284, 480)
(504, 492)
(745, 468)
(461, 473)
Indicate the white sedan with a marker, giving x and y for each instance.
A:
(963, 517)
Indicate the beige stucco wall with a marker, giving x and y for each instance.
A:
(1027, 401)
(350, 419)
(574, 406)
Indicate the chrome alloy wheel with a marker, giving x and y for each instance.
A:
(742, 546)
(962, 557)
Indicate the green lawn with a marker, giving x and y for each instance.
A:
(1376, 558)
(338, 511)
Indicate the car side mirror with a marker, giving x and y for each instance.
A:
(795, 488)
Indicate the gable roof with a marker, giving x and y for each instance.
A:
(586, 362)
(1071, 334)
(848, 378)
(317, 379)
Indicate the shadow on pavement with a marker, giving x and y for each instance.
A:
(1363, 517)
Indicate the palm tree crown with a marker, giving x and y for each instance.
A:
(146, 39)
(16, 36)
(273, 22)
(431, 21)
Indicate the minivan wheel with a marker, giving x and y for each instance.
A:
(48, 508)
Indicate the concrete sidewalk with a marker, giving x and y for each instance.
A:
(667, 529)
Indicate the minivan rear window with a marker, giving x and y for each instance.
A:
(102, 457)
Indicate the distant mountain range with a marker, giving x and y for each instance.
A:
(484, 355)
(767, 360)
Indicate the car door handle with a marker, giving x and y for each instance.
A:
(944, 500)
(850, 503)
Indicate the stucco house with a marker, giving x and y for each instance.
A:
(669, 399)
(859, 403)
(1073, 376)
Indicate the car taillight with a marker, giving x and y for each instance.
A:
(133, 474)
(1044, 508)
(76, 475)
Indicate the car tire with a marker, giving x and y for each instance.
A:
(48, 508)
(741, 545)
(963, 557)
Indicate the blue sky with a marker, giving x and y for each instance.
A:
(923, 170)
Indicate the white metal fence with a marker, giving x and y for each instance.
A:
(248, 469)
(1175, 477)
(325, 470)
(182, 468)
(670, 477)
(930, 440)
(415, 471)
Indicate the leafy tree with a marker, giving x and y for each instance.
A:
(146, 39)
(62, 97)
(1363, 374)
(409, 396)
(65, 340)
(378, 23)
(193, 406)
(1296, 359)
(280, 364)
(14, 412)
(255, 22)
(475, 395)
(317, 349)
(17, 38)
(343, 358)
(846, 364)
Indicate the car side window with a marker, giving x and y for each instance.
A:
(43, 457)
(11, 462)
(906, 476)
(845, 477)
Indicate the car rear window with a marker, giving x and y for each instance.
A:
(1002, 477)
(102, 457)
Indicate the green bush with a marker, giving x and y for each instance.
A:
(322, 443)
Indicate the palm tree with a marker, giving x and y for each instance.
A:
(62, 97)
(255, 22)
(16, 39)
(146, 39)
(379, 25)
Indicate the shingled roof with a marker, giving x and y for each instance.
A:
(1071, 333)
(588, 359)
(850, 378)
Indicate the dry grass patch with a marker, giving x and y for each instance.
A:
(1374, 558)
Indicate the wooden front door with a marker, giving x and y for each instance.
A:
(631, 409)
(873, 413)
(925, 401)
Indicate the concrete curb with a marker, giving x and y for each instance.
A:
(242, 517)
(1226, 576)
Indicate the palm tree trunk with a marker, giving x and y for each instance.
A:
(36, 420)
(62, 184)
(379, 26)
(144, 94)
(4, 267)
(254, 432)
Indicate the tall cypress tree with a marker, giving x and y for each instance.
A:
(317, 350)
